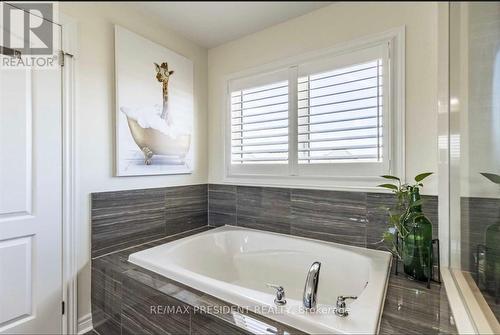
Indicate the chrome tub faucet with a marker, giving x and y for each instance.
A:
(311, 287)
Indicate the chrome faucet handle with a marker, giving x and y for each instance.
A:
(340, 308)
(280, 294)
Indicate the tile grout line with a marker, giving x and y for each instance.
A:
(236, 205)
(208, 205)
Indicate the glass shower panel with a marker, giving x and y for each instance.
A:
(475, 150)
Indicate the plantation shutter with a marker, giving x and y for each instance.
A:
(340, 112)
(259, 120)
(326, 116)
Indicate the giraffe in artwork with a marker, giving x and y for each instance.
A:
(163, 75)
(153, 128)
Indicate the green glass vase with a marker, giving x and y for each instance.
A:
(492, 257)
(417, 244)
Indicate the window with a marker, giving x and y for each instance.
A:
(340, 115)
(331, 115)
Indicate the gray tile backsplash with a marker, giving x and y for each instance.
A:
(266, 208)
(329, 215)
(222, 205)
(126, 218)
(123, 219)
(186, 208)
(376, 217)
(354, 218)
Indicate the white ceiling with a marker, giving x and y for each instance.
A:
(213, 23)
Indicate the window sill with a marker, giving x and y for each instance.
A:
(333, 183)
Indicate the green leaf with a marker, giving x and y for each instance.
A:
(389, 186)
(387, 236)
(492, 177)
(394, 217)
(422, 176)
(390, 177)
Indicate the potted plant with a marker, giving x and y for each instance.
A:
(408, 223)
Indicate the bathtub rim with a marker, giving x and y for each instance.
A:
(228, 227)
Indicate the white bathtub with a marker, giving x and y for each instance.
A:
(234, 264)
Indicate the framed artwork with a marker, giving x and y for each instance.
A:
(154, 102)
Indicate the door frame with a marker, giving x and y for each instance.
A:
(69, 186)
(69, 289)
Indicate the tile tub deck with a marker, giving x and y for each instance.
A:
(123, 293)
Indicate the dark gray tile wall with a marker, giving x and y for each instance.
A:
(354, 218)
(222, 205)
(376, 218)
(258, 206)
(126, 218)
(137, 316)
(477, 214)
(329, 215)
(186, 208)
(127, 221)
(206, 324)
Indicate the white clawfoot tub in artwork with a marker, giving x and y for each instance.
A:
(154, 142)
(155, 131)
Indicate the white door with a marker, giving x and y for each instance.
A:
(30, 200)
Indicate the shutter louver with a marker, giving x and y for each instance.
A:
(259, 124)
(340, 115)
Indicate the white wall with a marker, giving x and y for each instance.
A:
(96, 108)
(325, 28)
(320, 29)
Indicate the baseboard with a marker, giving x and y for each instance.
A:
(85, 324)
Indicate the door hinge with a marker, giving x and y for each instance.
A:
(61, 58)
(6, 51)
(62, 307)
(63, 54)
